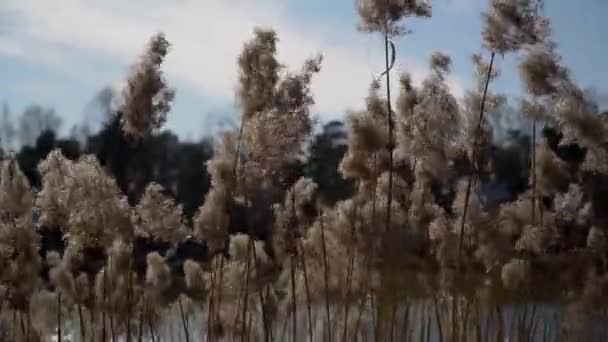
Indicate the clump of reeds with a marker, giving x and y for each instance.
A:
(397, 261)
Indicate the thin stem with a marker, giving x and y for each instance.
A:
(325, 275)
(500, 331)
(22, 324)
(389, 201)
(219, 289)
(438, 318)
(251, 250)
(454, 332)
(28, 317)
(210, 302)
(110, 314)
(360, 313)
(366, 288)
(284, 329)
(184, 318)
(140, 333)
(308, 294)
(59, 332)
(390, 134)
(349, 273)
(92, 320)
(14, 324)
(246, 296)
(249, 327)
(428, 327)
(129, 294)
(238, 148)
(267, 337)
(152, 333)
(112, 331)
(393, 320)
(294, 255)
(406, 322)
(104, 307)
(473, 157)
(81, 321)
(421, 332)
(533, 165)
(375, 315)
(292, 266)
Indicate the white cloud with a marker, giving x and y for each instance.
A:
(207, 36)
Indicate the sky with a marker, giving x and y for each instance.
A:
(61, 53)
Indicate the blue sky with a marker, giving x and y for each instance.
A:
(61, 53)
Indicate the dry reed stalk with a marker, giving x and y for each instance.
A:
(249, 327)
(110, 313)
(389, 201)
(406, 320)
(393, 320)
(104, 307)
(359, 316)
(465, 322)
(152, 332)
(500, 336)
(437, 317)
(308, 294)
(251, 249)
(453, 316)
(486, 334)
(473, 155)
(184, 319)
(59, 332)
(210, 305)
(22, 323)
(28, 320)
(366, 289)
(349, 270)
(92, 319)
(292, 270)
(533, 165)
(325, 274)
(246, 288)
(217, 309)
(140, 332)
(267, 336)
(270, 325)
(284, 329)
(14, 327)
(374, 309)
(422, 330)
(112, 331)
(128, 299)
(390, 133)
(428, 326)
(81, 322)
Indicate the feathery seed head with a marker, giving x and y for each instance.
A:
(516, 273)
(385, 15)
(158, 274)
(147, 98)
(540, 71)
(440, 63)
(161, 217)
(509, 24)
(195, 277)
(259, 73)
(16, 198)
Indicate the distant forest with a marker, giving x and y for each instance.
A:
(179, 166)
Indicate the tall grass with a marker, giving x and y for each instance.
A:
(399, 261)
